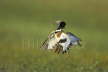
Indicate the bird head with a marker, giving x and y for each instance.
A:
(60, 24)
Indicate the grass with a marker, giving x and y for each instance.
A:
(25, 24)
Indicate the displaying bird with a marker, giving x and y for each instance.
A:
(59, 40)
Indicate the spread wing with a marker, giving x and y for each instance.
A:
(49, 41)
(74, 40)
(45, 44)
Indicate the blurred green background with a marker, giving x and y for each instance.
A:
(24, 24)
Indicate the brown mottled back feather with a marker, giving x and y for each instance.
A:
(58, 34)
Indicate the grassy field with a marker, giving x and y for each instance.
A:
(24, 24)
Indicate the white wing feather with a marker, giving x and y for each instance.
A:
(74, 40)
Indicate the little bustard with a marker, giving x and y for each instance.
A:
(59, 40)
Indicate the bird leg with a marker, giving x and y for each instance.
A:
(58, 48)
